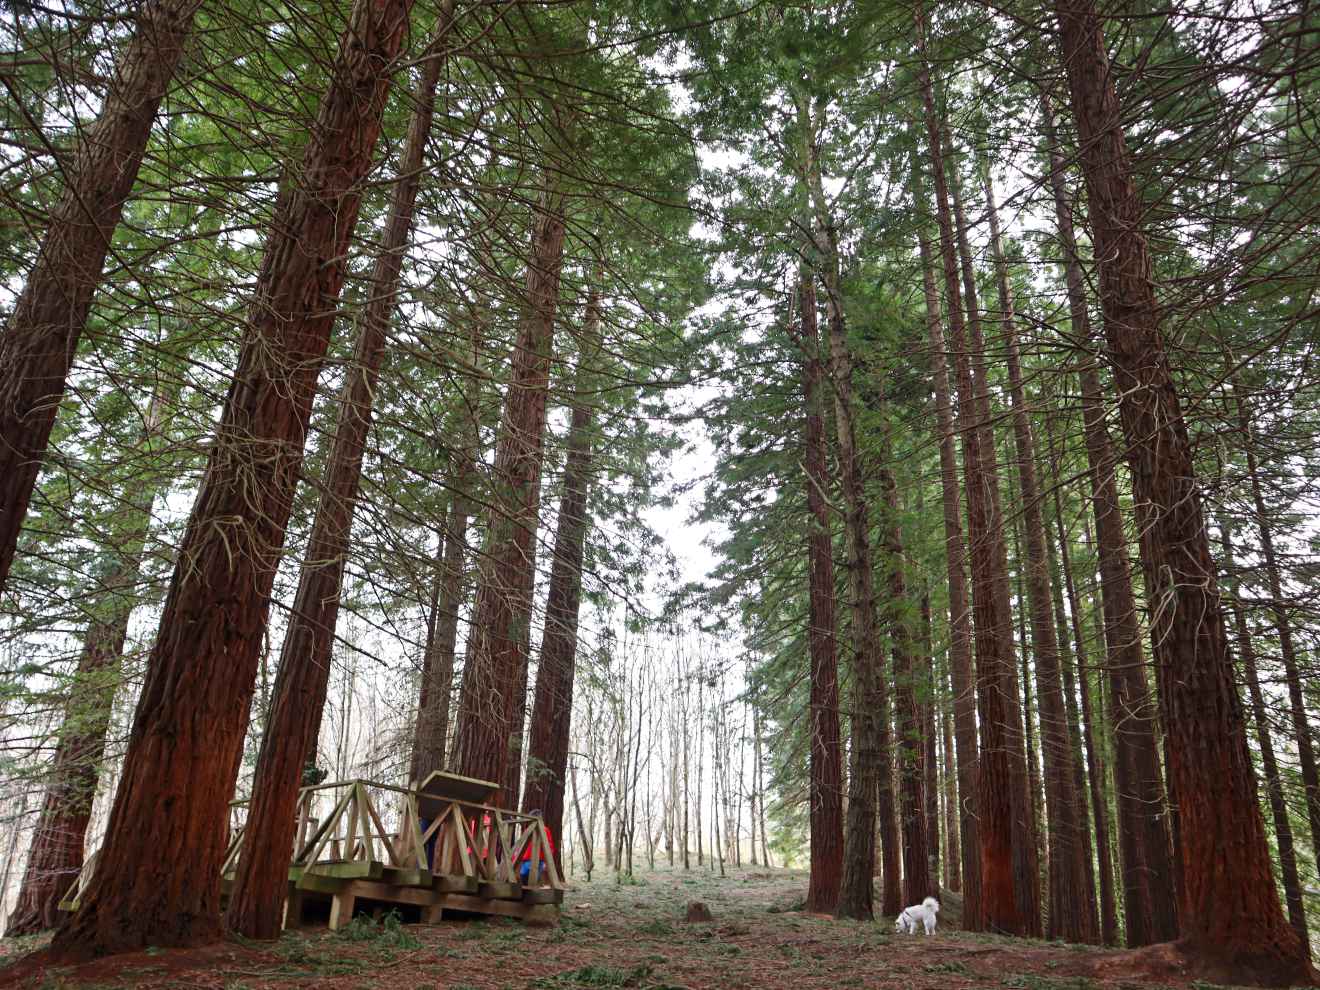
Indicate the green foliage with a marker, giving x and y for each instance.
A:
(386, 932)
(599, 976)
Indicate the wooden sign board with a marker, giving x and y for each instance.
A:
(440, 788)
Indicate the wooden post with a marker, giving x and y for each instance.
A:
(341, 908)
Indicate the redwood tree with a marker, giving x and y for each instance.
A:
(1245, 936)
(825, 773)
(1283, 833)
(497, 644)
(187, 737)
(1008, 886)
(256, 904)
(1144, 851)
(42, 335)
(552, 708)
(960, 616)
(1072, 914)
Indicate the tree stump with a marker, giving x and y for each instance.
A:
(698, 912)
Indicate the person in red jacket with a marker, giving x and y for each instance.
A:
(525, 871)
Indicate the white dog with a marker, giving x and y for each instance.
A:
(923, 913)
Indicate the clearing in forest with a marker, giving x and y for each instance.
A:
(629, 934)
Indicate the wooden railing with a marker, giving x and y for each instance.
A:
(352, 829)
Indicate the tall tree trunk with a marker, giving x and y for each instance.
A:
(1072, 915)
(552, 708)
(428, 744)
(41, 338)
(435, 693)
(917, 883)
(256, 904)
(1095, 777)
(1150, 913)
(56, 855)
(870, 772)
(1006, 773)
(1244, 936)
(511, 782)
(497, 643)
(826, 770)
(870, 787)
(1074, 714)
(1283, 833)
(952, 840)
(1282, 627)
(997, 808)
(438, 673)
(187, 736)
(869, 717)
(930, 774)
(960, 616)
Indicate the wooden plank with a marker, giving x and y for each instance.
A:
(501, 890)
(350, 870)
(503, 868)
(504, 909)
(390, 893)
(380, 828)
(543, 895)
(461, 838)
(350, 842)
(405, 875)
(552, 865)
(319, 838)
(413, 825)
(322, 885)
(448, 883)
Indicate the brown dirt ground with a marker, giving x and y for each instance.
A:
(619, 935)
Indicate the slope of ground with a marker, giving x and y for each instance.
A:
(617, 935)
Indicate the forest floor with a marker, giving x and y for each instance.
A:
(617, 935)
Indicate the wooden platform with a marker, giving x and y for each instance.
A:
(431, 848)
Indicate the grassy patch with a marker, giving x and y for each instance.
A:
(945, 967)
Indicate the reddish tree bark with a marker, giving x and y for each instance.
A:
(917, 883)
(256, 904)
(552, 707)
(1074, 728)
(930, 780)
(1095, 777)
(1150, 913)
(1008, 774)
(497, 644)
(870, 788)
(870, 780)
(41, 339)
(1072, 914)
(187, 737)
(952, 843)
(826, 770)
(1009, 888)
(1283, 833)
(1244, 937)
(960, 616)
